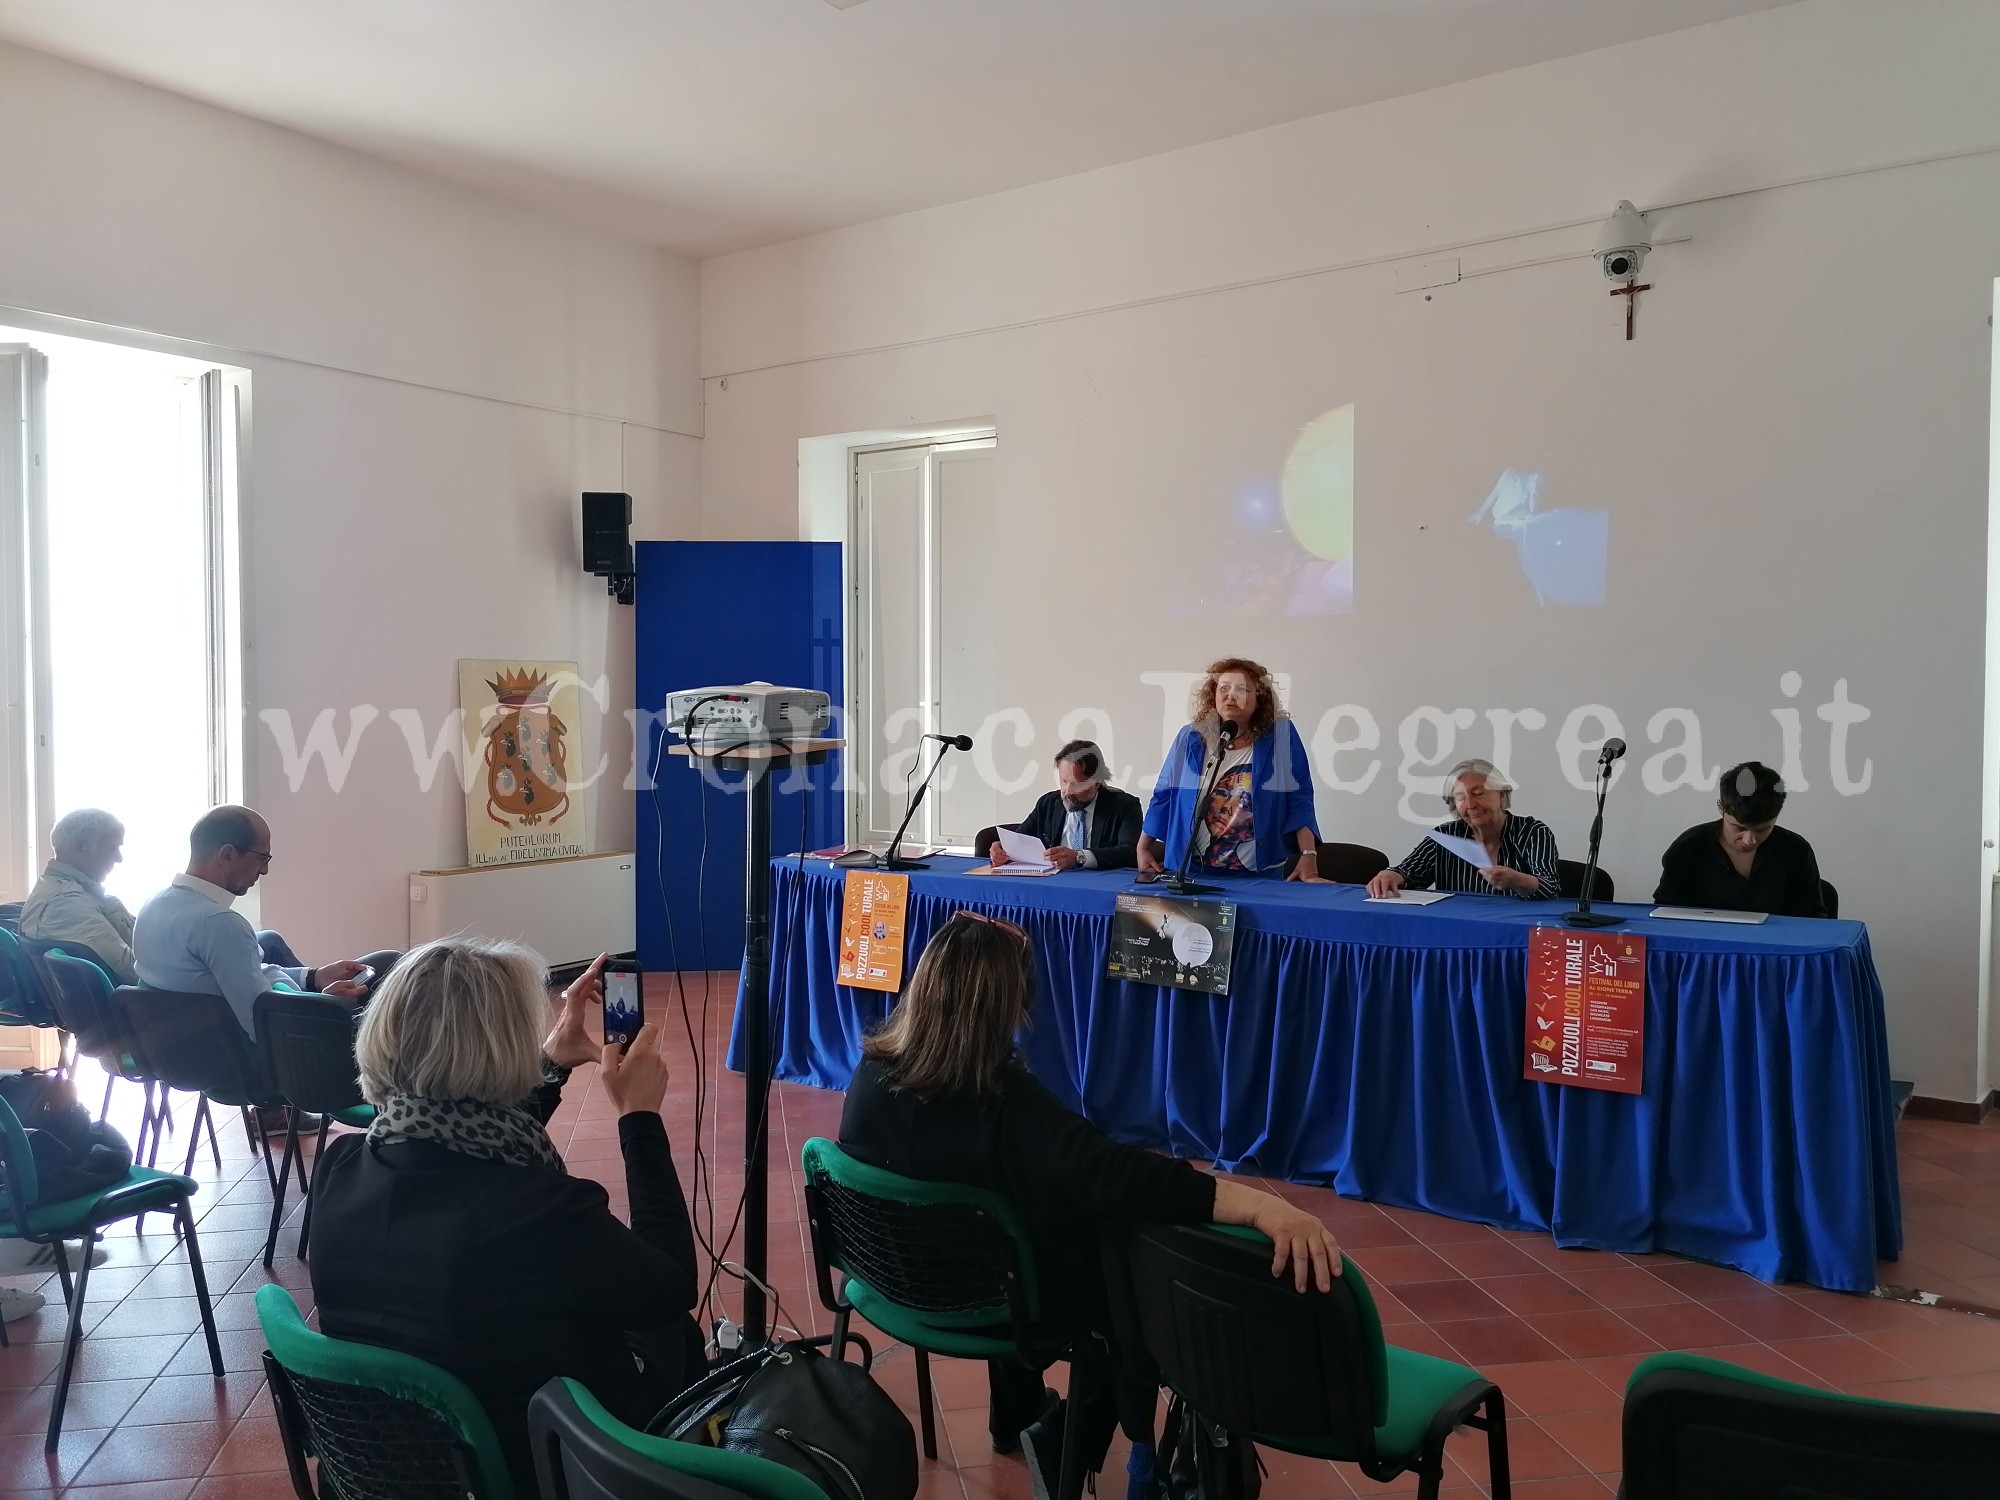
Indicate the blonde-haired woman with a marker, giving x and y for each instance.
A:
(1259, 811)
(942, 1095)
(452, 1230)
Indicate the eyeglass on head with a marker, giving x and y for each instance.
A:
(1000, 922)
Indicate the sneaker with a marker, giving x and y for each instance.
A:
(18, 1304)
(1009, 1443)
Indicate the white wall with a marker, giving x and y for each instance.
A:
(436, 375)
(1793, 452)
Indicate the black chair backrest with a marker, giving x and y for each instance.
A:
(192, 1042)
(575, 1459)
(984, 840)
(21, 992)
(1246, 1349)
(10, 915)
(933, 1258)
(1692, 1435)
(1601, 887)
(307, 1043)
(370, 1445)
(1351, 864)
(1830, 898)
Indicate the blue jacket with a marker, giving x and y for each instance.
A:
(1281, 794)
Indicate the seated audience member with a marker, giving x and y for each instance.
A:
(1744, 861)
(190, 938)
(1085, 821)
(1521, 851)
(943, 1095)
(452, 1230)
(68, 904)
(1259, 810)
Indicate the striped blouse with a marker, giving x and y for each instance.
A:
(1526, 844)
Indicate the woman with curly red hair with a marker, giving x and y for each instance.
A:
(1260, 809)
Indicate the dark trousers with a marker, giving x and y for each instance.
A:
(276, 950)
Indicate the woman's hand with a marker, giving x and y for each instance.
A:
(636, 1078)
(1385, 885)
(997, 855)
(1298, 1239)
(569, 1044)
(1150, 850)
(1306, 868)
(1503, 879)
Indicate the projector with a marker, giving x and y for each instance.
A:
(752, 712)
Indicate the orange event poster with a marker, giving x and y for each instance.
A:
(1586, 1009)
(871, 929)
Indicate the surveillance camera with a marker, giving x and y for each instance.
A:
(1623, 242)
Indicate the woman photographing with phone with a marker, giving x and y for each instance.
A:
(452, 1230)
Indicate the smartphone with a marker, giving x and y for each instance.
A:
(624, 1002)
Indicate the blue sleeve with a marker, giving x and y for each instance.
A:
(1159, 809)
(227, 946)
(1299, 811)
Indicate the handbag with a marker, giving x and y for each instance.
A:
(823, 1418)
(75, 1155)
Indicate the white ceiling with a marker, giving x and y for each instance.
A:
(714, 125)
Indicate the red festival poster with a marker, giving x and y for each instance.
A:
(1586, 1009)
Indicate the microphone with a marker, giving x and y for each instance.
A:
(1610, 751)
(1583, 916)
(1229, 731)
(964, 741)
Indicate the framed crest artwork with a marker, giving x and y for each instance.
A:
(524, 738)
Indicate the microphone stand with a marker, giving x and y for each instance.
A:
(1583, 916)
(868, 860)
(1178, 882)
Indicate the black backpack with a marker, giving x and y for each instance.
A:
(75, 1155)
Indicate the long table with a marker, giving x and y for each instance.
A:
(1377, 1049)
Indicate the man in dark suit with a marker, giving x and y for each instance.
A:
(1085, 822)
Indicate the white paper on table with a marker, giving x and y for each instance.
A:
(1470, 850)
(1407, 898)
(1022, 849)
(1708, 914)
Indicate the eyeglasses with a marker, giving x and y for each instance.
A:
(263, 855)
(1000, 922)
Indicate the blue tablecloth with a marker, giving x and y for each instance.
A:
(1378, 1050)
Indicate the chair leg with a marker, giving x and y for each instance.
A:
(305, 1188)
(1498, 1475)
(62, 1271)
(184, 1217)
(924, 1403)
(1069, 1484)
(194, 1135)
(104, 1109)
(278, 1197)
(253, 1131)
(70, 1340)
(163, 1120)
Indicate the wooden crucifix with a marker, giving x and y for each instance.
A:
(1630, 292)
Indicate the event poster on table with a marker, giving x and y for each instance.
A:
(1586, 1008)
(1181, 942)
(873, 905)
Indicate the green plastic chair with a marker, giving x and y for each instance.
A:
(383, 1425)
(21, 1000)
(1303, 1372)
(945, 1268)
(1703, 1429)
(582, 1452)
(143, 1191)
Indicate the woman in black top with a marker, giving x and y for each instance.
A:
(1744, 861)
(1520, 850)
(942, 1095)
(452, 1231)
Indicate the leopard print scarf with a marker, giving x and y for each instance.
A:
(496, 1132)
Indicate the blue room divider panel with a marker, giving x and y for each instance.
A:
(714, 613)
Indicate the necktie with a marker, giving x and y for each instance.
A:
(1074, 837)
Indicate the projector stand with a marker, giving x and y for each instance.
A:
(758, 763)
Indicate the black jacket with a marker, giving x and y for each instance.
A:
(1114, 826)
(507, 1276)
(1783, 879)
(1063, 1176)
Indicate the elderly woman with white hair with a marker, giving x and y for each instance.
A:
(69, 903)
(1520, 850)
(453, 1231)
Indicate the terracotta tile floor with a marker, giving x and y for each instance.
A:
(1558, 1329)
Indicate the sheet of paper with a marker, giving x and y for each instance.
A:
(1708, 914)
(1406, 898)
(1023, 849)
(1470, 850)
(1013, 867)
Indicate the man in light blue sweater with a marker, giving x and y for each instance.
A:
(189, 937)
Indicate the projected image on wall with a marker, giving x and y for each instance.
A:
(1289, 546)
(1563, 552)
